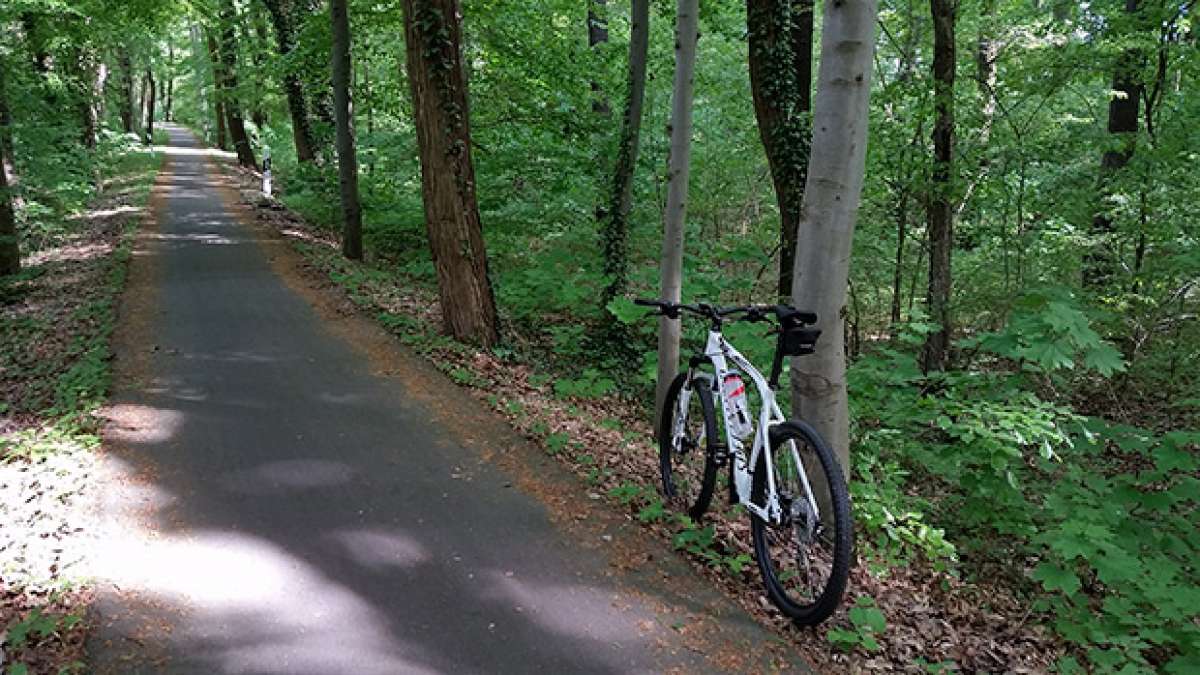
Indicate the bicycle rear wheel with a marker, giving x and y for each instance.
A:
(687, 439)
(804, 560)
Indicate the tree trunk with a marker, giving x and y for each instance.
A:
(985, 62)
(687, 34)
(150, 107)
(898, 271)
(780, 46)
(281, 18)
(1123, 111)
(597, 25)
(940, 206)
(614, 227)
(433, 41)
(126, 65)
(343, 111)
(91, 89)
(10, 252)
(167, 104)
(233, 110)
(831, 198)
(218, 87)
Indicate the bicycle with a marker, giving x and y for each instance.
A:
(789, 521)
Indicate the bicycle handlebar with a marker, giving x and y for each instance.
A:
(786, 314)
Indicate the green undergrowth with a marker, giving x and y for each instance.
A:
(1093, 522)
(978, 472)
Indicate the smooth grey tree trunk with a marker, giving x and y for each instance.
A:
(687, 33)
(831, 197)
(344, 119)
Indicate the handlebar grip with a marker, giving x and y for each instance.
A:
(648, 303)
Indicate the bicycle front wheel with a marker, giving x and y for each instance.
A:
(805, 558)
(687, 438)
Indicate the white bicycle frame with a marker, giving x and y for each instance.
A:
(720, 352)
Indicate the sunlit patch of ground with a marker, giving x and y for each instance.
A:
(55, 318)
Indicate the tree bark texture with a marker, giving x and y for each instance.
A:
(614, 228)
(687, 34)
(940, 202)
(282, 18)
(831, 197)
(780, 41)
(233, 110)
(344, 114)
(433, 40)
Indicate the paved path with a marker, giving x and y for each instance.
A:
(280, 506)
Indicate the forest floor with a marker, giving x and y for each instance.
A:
(56, 317)
(935, 620)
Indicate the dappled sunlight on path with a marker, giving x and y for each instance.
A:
(277, 506)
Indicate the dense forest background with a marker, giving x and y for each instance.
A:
(1020, 324)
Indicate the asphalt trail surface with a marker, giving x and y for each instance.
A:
(277, 505)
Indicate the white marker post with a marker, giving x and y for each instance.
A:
(266, 185)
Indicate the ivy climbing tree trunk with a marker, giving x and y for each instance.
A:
(344, 114)
(831, 198)
(687, 34)
(780, 46)
(433, 41)
(281, 18)
(233, 111)
(614, 226)
(940, 204)
(10, 252)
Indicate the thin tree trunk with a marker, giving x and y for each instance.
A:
(687, 34)
(167, 106)
(343, 111)
(10, 251)
(433, 41)
(780, 47)
(219, 94)
(597, 25)
(985, 62)
(831, 198)
(898, 270)
(1123, 111)
(233, 110)
(150, 107)
(940, 205)
(614, 227)
(281, 18)
(126, 66)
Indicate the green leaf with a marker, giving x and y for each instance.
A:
(1055, 578)
(625, 311)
